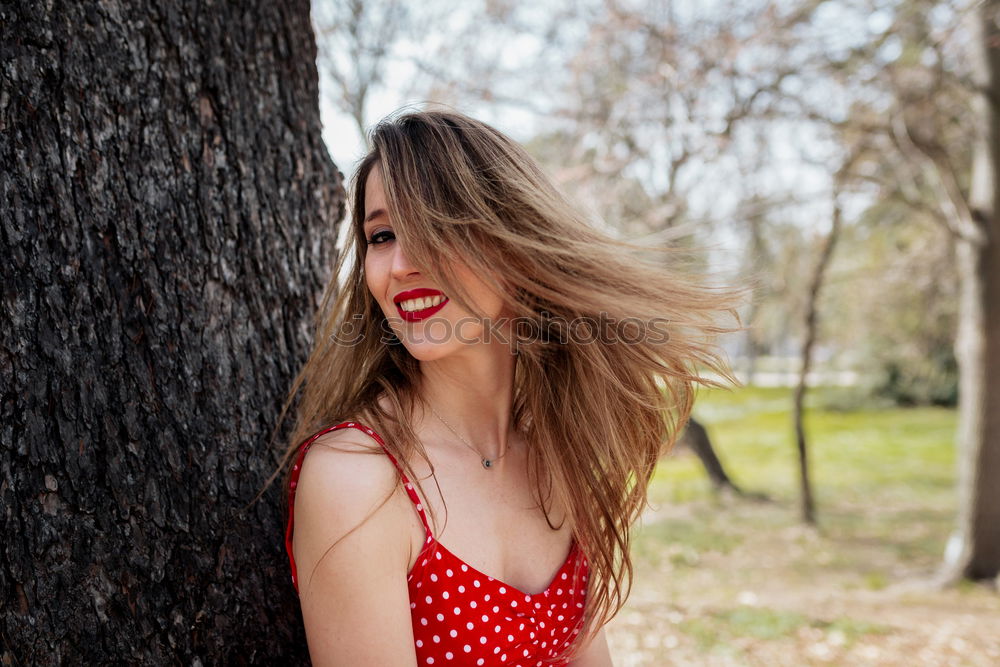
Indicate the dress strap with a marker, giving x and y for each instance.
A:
(297, 467)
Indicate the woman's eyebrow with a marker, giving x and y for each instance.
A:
(374, 214)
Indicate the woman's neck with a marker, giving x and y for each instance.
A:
(474, 393)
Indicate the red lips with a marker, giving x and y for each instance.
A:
(417, 315)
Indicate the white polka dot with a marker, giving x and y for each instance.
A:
(503, 657)
(561, 617)
(437, 640)
(496, 650)
(423, 621)
(445, 595)
(434, 577)
(487, 597)
(476, 583)
(544, 644)
(559, 592)
(465, 568)
(419, 506)
(480, 662)
(469, 625)
(413, 605)
(531, 635)
(457, 611)
(510, 638)
(496, 610)
(453, 633)
(430, 661)
(486, 618)
(467, 648)
(482, 640)
(473, 604)
(438, 555)
(563, 575)
(502, 590)
(440, 617)
(461, 589)
(521, 627)
(513, 603)
(525, 653)
(428, 599)
(420, 642)
(496, 629)
(449, 572)
(449, 655)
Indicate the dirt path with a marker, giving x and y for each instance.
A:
(744, 585)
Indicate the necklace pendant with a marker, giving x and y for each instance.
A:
(487, 463)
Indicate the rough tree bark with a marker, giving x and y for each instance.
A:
(974, 550)
(167, 220)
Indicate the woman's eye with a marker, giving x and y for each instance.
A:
(381, 237)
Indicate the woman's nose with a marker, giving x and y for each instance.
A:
(402, 267)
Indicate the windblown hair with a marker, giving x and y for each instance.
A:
(597, 414)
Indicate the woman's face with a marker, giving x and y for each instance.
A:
(425, 320)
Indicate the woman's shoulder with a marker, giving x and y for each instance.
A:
(343, 457)
(347, 436)
(342, 478)
(345, 496)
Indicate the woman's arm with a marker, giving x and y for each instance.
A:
(355, 603)
(596, 654)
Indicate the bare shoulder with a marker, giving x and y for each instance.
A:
(347, 483)
(347, 458)
(351, 545)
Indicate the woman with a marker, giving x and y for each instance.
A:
(491, 341)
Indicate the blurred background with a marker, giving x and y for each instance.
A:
(843, 507)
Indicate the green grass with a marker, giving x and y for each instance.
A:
(895, 453)
(883, 479)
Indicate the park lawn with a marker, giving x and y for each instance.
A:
(727, 580)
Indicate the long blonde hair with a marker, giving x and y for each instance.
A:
(597, 414)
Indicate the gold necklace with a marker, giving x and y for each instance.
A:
(487, 463)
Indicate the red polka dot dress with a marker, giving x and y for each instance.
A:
(462, 616)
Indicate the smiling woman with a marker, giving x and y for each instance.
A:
(492, 320)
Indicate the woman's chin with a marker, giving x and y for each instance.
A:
(424, 351)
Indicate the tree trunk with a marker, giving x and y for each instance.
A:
(974, 550)
(807, 504)
(167, 221)
(695, 436)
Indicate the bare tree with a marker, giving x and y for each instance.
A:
(975, 552)
(936, 160)
(357, 41)
(807, 501)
